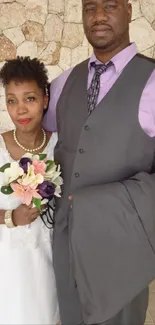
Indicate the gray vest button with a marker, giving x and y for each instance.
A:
(76, 175)
(81, 150)
(86, 127)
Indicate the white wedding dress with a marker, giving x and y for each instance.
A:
(27, 283)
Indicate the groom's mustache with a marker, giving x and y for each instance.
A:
(100, 25)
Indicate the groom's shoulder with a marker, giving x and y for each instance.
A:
(62, 78)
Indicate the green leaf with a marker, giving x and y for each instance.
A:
(50, 164)
(4, 167)
(42, 156)
(37, 203)
(6, 189)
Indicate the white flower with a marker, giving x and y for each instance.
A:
(57, 191)
(27, 155)
(12, 173)
(57, 180)
(49, 174)
(31, 156)
(54, 175)
(30, 179)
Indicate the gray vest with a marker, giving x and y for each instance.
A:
(107, 146)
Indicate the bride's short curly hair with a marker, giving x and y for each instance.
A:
(25, 69)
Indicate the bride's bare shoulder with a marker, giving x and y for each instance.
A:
(7, 136)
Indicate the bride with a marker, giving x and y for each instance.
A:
(27, 283)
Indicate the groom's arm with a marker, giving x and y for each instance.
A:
(141, 189)
(56, 87)
(137, 193)
(113, 239)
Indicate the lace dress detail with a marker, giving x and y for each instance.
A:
(27, 281)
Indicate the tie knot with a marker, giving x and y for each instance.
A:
(100, 68)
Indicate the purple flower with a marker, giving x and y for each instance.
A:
(23, 163)
(46, 189)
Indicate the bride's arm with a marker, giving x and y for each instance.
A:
(24, 215)
(21, 216)
(2, 214)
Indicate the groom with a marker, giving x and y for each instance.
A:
(104, 240)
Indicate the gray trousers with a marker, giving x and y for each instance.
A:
(69, 303)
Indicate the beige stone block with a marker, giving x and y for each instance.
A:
(53, 71)
(46, 54)
(57, 6)
(2, 92)
(142, 33)
(51, 53)
(90, 51)
(85, 42)
(148, 9)
(79, 54)
(152, 305)
(33, 31)
(15, 35)
(4, 1)
(65, 58)
(1, 64)
(149, 320)
(73, 11)
(7, 49)
(2, 100)
(11, 15)
(36, 10)
(152, 287)
(149, 52)
(41, 47)
(153, 25)
(27, 48)
(72, 35)
(5, 122)
(136, 10)
(56, 54)
(53, 28)
(23, 2)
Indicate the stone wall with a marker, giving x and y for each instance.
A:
(52, 31)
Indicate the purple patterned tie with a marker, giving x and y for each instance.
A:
(93, 91)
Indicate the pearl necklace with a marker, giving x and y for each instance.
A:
(30, 150)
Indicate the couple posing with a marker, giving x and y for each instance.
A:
(101, 256)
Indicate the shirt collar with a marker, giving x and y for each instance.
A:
(120, 60)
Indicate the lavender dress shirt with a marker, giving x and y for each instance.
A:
(107, 79)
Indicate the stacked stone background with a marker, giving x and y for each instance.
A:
(52, 31)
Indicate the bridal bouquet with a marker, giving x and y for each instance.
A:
(33, 179)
